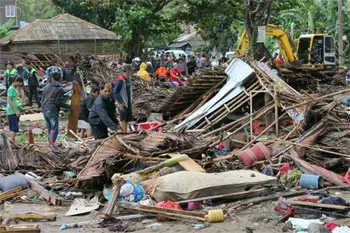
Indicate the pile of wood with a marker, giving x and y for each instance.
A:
(201, 86)
(40, 156)
(116, 153)
(150, 97)
(271, 111)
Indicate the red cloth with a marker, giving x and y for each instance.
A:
(120, 77)
(257, 128)
(285, 167)
(309, 199)
(167, 205)
(347, 176)
(330, 226)
(176, 72)
(221, 145)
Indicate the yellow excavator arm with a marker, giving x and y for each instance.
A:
(282, 39)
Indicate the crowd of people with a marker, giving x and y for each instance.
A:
(166, 67)
(98, 109)
(97, 112)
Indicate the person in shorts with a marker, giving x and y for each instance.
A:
(84, 111)
(14, 107)
(123, 94)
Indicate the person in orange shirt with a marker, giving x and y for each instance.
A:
(162, 73)
(278, 60)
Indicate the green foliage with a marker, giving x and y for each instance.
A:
(37, 9)
(141, 23)
(5, 28)
(218, 22)
(314, 16)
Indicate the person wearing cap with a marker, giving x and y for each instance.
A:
(84, 111)
(123, 94)
(10, 74)
(48, 73)
(176, 76)
(103, 114)
(14, 107)
(52, 100)
(33, 84)
(68, 72)
(142, 73)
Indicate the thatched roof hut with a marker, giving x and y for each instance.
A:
(64, 34)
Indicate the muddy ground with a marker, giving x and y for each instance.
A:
(261, 217)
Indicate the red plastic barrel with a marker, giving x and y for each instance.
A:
(256, 153)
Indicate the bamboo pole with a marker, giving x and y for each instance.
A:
(236, 105)
(317, 99)
(244, 125)
(220, 113)
(251, 114)
(276, 110)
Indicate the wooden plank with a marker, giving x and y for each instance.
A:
(319, 205)
(174, 211)
(75, 104)
(169, 215)
(14, 194)
(238, 195)
(29, 216)
(111, 205)
(20, 228)
(189, 164)
(11, 191)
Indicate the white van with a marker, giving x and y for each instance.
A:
(177, 53)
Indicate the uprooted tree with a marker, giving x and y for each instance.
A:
(257, 13)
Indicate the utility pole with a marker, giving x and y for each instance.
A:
(340, 33)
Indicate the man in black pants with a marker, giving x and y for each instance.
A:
(33, 84)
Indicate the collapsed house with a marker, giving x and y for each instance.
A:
(234, 133)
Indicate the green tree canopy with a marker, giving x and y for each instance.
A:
(37, 9)
(141, 23)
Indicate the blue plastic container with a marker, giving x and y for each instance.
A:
(311, 181)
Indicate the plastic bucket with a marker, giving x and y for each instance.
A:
(256, 153)
(311, 181)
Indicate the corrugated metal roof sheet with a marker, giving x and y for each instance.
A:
(193, 39)
(62, 27)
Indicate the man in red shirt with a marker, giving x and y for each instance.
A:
(176, 77)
